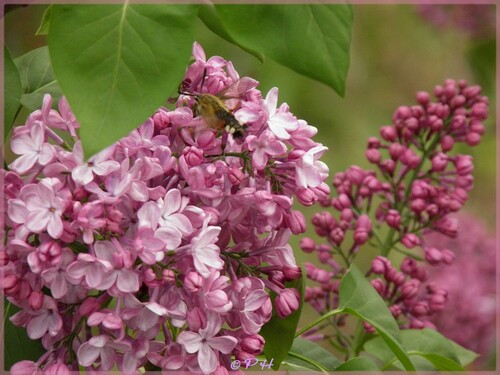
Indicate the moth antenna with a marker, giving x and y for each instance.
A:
(203, 80)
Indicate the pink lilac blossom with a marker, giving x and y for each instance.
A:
(418, 185)
(161, 250)
(469, 317)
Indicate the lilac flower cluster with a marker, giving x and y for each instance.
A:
(471, 287)
(478, 20)
(418, 183)
(161, 250)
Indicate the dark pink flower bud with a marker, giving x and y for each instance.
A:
(403, 112)
(448, 226)
(193, 156)
(446, 143)
(448, 256)
(439, 162)
(57, 368)
(411, 124)
(168, 276)
(193, 282)
(196, 319)
(393, 219)
(373, 155)
(355, 174)
(410, 159)
(477, 127)
(416, 323)
(435, 123)
(36, 300)
(337, 235)
(471, 91)
(421, 274)
(408, 265)
(418, 205)
(409, 289)
(420, 309)
(457, 101)
(307, 245)
(341, 202)
(396, 150)
(253, 344)
(324, 220)
(292, 273)
(437, 303)
(379, 265)
(410, 240)
(398, 278)
(306, 197)
(287, 302)
(89, 306)
(347, 215)
(423, 98)
(9, 282)
(464, 164)
(364, 223)
(479, 110)
(296, 222)
(369, 328)
(235, 176)
(324, 257)
(388, 133)
(388, 165)
(395, 311)
(433, 255)
(378, 285)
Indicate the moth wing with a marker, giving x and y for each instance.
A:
(238, 89)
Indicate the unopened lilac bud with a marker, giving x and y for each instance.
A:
(448, 256)
(471, 91)
(389, 166)
(395, 311)
(9, 282)
(296, 222)
(388, 133)
(346, 215)
(355, 174)
(393, 219)
(235, 176)
(307, 245)
(477, 127)
(420, 274)
(410, 240)
(479, 110)
(306, 197)
(420, 309)
(398, 278)
(341, 202)
(193, 282)
(446, 143)
(378, 285)
(439, 162)
(409, 289)
(379, 265)
(373, 155)
(89, 306)
(433, 255)
(193, 156)
(410, 159)
(292, 273)
(253, 344)
(423, 98)
(168, 276)
(324, 220)
(36, 300)
(437, 303)
(418, 205)
(287, 302)
(324, 257)
(435, 123)
(403, 112)
(4, 258)
(369, 328)
(57, 368)
(196, 319)
(416, 323)
(337, 235)
(396, 150)
(464, 164)
(373, 142)
(408, 265)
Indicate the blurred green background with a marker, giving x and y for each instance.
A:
(395, 52)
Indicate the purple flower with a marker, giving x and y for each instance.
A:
(207, 344)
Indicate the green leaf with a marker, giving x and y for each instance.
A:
(37, 78)
(307, 355)
(357, 297)
(280, 333)
(117, 64)
(12, 91)
(44, 25)
(311, 39)
(17, 345)
(358, 364)
(211, 19)
(438, 352)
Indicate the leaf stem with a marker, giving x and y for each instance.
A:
(319, 320)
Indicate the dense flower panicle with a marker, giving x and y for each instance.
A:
(177, 231)
(471, 287)
(417, 186)
(478, 20)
